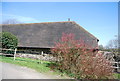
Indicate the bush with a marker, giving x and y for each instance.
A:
(77, 58)
(8, 40)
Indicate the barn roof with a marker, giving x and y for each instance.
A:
(43, 35)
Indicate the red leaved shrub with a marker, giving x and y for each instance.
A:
(78, 58)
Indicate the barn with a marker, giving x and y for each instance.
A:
(37, 37)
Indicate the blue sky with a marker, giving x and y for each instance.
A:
(99, 18)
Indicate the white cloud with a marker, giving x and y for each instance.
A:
(19, 18)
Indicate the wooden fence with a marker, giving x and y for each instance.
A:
(15, 50)
(117, 65)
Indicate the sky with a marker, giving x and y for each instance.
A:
(99, 18)
(60, 0)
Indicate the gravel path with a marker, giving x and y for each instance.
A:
(10, 71)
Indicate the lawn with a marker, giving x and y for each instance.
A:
(30, 63)
(39, 66)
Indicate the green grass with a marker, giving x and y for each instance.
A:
(30, 63)
(38, 65)
(117, 76)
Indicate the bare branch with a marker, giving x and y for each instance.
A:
(11, 21)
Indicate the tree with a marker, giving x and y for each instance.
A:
(101, 47)
(11, 21)
(112, 45)
(8, 40)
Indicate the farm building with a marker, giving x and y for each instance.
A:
(41, 36)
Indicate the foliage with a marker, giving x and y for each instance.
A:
(101, 47)
(77, 58)
(8, 40)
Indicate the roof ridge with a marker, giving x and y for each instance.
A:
(85, 30)
(38, 23)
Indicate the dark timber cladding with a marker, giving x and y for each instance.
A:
(43, 35)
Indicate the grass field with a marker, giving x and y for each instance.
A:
(40, 66)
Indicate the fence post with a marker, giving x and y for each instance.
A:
(41, 52)
(15, 53)
(42, 55)
(118, 66)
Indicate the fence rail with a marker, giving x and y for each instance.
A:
(15, 50)
(7, 49)
(117, 66)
